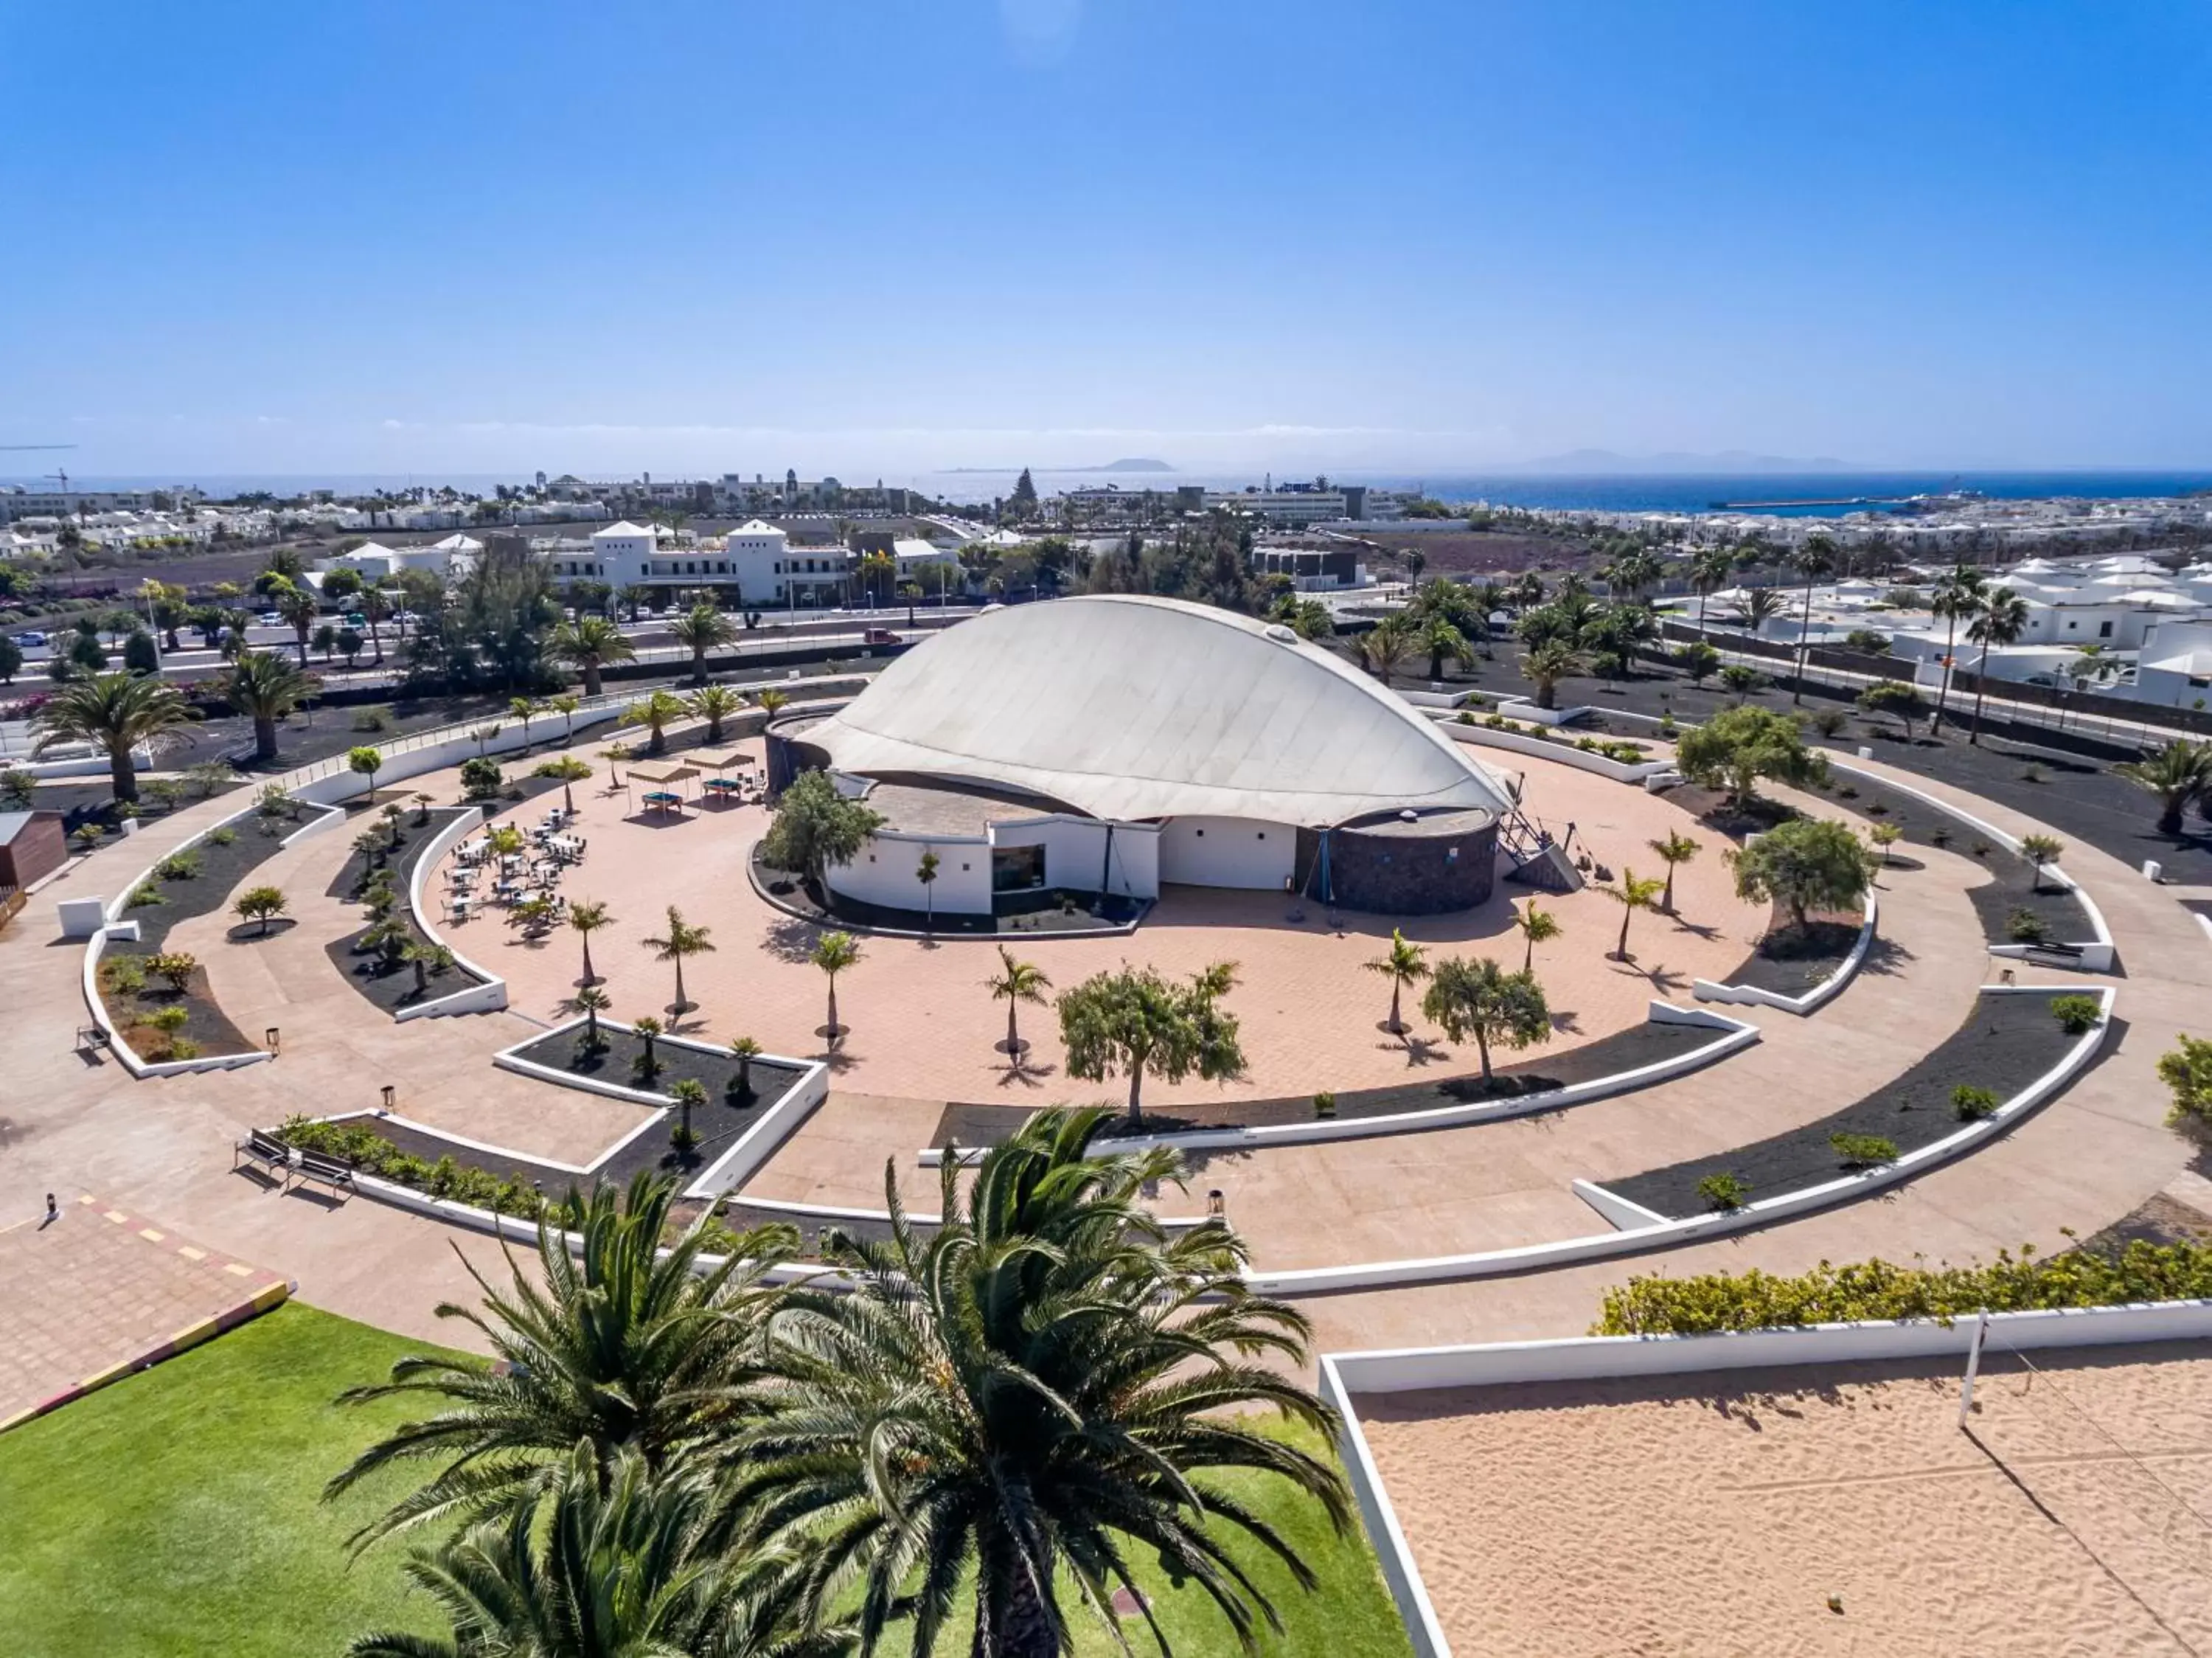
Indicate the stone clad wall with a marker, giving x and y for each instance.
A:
(1393, 873)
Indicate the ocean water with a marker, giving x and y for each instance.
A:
(1677, 492)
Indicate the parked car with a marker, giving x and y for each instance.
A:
(27, 640)
(271, 619)
(355, 619)
(879, 635)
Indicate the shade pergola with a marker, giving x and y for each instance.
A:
(663, 773)
(657, 780)
(726, 773)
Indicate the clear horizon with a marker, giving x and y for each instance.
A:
(1405, 238)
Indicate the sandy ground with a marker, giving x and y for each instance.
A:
(923, 1024)
(1717, 1513)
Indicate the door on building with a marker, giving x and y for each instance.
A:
(1016, 869)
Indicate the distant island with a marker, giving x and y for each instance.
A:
(1134, 464)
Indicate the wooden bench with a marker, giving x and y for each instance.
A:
(314, 1166)
(267, 1150)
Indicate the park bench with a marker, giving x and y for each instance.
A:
(91, 1038)
(314, 1166)
(265, 1149)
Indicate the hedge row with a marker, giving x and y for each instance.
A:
(1715, 1301)
(357, 1143)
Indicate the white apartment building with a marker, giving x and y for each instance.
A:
(756, 558)
(1295, 508)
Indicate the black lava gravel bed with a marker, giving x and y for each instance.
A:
(717, 1072)
(982, 1124)
(2008, 1041)
(222, 868)
(1790, 963)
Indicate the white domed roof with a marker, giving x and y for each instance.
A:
(1130, 707)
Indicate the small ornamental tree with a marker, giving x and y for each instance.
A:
(1901, 702)
(1739, 746)
(591, 1001)
(1136, 1021)
(175, 967)
(1480, 999)
(1805, 865)
(745, 1050)
(1405, 964)
(1675, 849)
(833, 954)
(261, 904)
(688, 1094)
(1536, 926)
(2187, 1072)
(816, 826)
(366, 762)
(2039, 850)
(481, 779)
(925, 871)
(1015, 983)
(1633, 892)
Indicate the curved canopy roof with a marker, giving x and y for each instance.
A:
(1128, 707)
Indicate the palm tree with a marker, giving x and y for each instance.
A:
(2178, 774)
(375, 607)
(1546, 664)
(655, 713)
(1406, 964)
(591, 1001)
(1015, 983)
(1673, 848)
(925, 871)
(1816, 558)
(1536, 926)
(2000, 620)
(588, 918)
(1441, 639)
(700, 630)
(833, 954)
(714, 703)
(1711, 568)
(1958, 595)
(1026, 1395)
(524, 709)
(266, 688)
(589, 644)
(608, 1562)
(745, 1050)
(620, 1343)
(683, 939)
(1384, 647)
(115, 713)
(1760, 606)
(300, 607)
(1633, 893)
(772, 702)
(566, 706)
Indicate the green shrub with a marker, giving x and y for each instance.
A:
(2077, 1015)
(1879, 1289)
(1970, 1104)
(143, 894)
(2187, 1071)
(371, 719)
(481, 779)
(177, 866)
(123, 974)
(2025, 926)
(1467, 716)
(1863, 1150)
(222, 836)
(169, 1021)
(1325, 1103)
(359, 1144)
(1723, 1192)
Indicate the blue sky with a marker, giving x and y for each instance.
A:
(877, 239)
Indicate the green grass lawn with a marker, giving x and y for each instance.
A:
(180, 1512)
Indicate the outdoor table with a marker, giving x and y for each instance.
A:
(662, 800)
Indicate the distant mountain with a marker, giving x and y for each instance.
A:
(1140, 464)
(1606, 462)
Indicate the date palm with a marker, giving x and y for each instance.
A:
(620, 1344)
(714, 703)
(1015, 983)
(1711, 569)
(656, 713)
(1406, 963)
(591, 1001)
(1760, 605)
(700, 630)
(1024, 1398)
(834, 953)
(1547, 663)
(613, 1562)
(2179, 773)
(1536, 926)
(2000, 619)
(1384, 648)
(376, 609)
(266, 688)
(1957, 596)
(1816, 558)
(1633, 892)
(589, 644)
(298, 606)
(681, 939)
(1441, 638)
(589, 918)
(566, 706)
(115, 713)
(1675, 849)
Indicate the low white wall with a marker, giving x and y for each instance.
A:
(1236, 852)
(490, 994)
(766, 1137)
(1735, 1033)
(1752, 995)
(1618, 1213)
(1400, 1574)
(1564, 753)
(883, 873)
(329, 781)
(1527, 1256)
(88, 765)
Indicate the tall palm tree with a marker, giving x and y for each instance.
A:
(1546, 664)
(1957, 596)
(2000, 619)
(620, 1343)
(1813, 560)
(612, 1561)
(1673, 848)
(1633, 892)
(1441, 638)
(376, 609)
(1406, 963)
(300, 607)
(834, 953)
(265, 688)
(2178, 774)
(714, 703)
(1384, 648)
(566, 706)
(656, 712)
(115, 713)
(1015, 983)
(588, 918)
(1711, 568)
(1023, 1397)
(589, 644)
(1536, 926)
(1760, 605)
(681, 939)
(700, 630)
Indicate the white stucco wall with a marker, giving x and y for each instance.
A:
(1227, 852)
(1075, 854)
(883, 873)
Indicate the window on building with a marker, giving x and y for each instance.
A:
(2104, 629)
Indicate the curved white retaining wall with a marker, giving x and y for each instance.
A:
(1345, 1376)
(1736, 1034)
(1566, 753)
(1526, 1257)
(1752, 995)
(488, 997)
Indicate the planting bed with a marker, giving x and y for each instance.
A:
(391, 988)
(1789, 962)
(717, 1072)
(2014, 884)
(2007, 1041)
(980, 1125)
